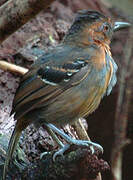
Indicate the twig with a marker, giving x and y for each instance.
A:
(12, 68)
(121, 116)
(16, 13)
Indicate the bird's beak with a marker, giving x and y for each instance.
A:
(121, 25)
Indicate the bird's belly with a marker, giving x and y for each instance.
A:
(76, 102)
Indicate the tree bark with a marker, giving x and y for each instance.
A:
(16, 13)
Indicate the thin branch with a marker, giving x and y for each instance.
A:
(121, 116)
(16, 13)
(12, 68)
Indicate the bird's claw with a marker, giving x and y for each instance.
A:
(88, 143)
(61, 151)
(44, 154)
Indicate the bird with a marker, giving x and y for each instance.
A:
(67, 82)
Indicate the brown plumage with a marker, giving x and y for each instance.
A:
(70, 80)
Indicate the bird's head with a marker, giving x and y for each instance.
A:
(92, 26)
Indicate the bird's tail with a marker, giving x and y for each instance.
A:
(11, 147)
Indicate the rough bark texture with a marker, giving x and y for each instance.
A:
(16, 13)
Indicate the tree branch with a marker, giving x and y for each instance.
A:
(16, 13)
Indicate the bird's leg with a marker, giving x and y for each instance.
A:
(63, 147)
(81, 131)
(69, 140)
(55, 138)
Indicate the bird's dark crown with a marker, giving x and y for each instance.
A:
(88, 16)
(85, 17)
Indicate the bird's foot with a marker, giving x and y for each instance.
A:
(44, 154)
(70, 141)
(91, 144)
(61, 151)
(65, 147)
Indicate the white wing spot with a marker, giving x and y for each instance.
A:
(66, 80)
(48, 82)
(69, 73)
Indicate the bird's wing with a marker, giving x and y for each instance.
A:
(45, 82)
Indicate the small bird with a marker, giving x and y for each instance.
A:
(69, 81)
